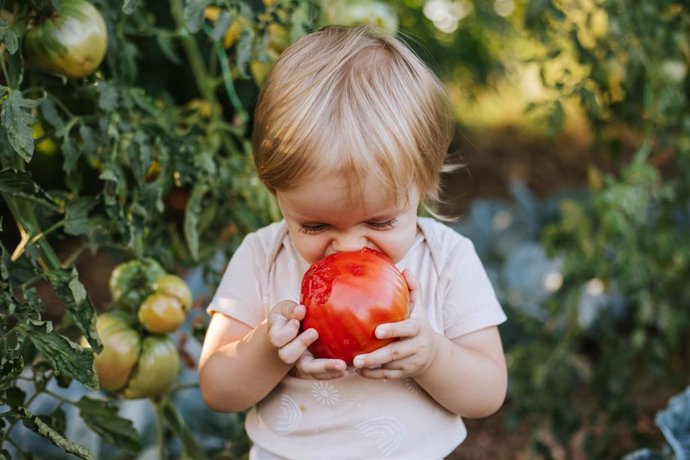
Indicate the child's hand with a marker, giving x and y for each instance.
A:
(309, 367)
(407, 357)
(283, 333)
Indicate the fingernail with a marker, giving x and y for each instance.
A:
(312, 334)
(381, 332)
(358, 362)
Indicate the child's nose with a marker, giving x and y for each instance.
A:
(349, 242)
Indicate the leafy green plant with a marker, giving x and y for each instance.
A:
(626, 241)
(144, 155)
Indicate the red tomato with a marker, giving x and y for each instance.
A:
(348, 294)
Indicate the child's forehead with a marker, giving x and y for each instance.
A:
(340, 193)
(340, 185)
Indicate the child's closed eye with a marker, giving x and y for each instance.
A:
(383, 225)
(311, 229)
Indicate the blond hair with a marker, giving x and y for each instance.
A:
(352, 100)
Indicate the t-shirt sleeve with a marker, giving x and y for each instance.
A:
(239, 292)
(470, 301)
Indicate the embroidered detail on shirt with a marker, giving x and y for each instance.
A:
(325, 393)
(290, 415)
(387, 432)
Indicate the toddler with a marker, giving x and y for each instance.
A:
(351, 134)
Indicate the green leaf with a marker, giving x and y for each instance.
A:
(4, 260)
(140, 156)
(109, 175)
(19, 184)
(103, 419)
(152, 197)
(77, 216)
(11, 344)
(191, 219)
(34, 423)
(204, 161)
(10, 369)
(67, 358)
(88, 137)
(108, 97)
(71, 292)
(71, 153)
(129, 6)
(194, 14)
(8, 36)
(221, 26)
(144, 102)
(16, 118)
(14, 397)
(13, 71)
(166, 42)
(50, 114)
(244, 51)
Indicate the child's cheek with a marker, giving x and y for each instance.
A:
(311, 248)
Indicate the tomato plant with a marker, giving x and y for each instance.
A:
(348, 294)
(138, 359)
(70, 42)
(160, 300)
(147, 106)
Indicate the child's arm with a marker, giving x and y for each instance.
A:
(239, 365)
(466, 375)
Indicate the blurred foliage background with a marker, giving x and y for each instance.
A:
(573, 125)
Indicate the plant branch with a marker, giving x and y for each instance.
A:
(26, 221)
(158, 405)
(193, 53)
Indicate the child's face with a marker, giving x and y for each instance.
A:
(323, 217)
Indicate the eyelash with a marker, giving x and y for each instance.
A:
(387, 225)
(380, 226)
(311, 229)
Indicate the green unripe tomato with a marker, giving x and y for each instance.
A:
(156, 370)
(161, 313)
(121, 347)
(71, 42)
(175, 286)
(131, 281)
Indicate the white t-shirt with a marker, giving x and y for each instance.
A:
(354, 417)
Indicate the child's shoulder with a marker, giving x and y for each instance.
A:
(446, 245)
(269, 233)
(265, 242)
(440, 235)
